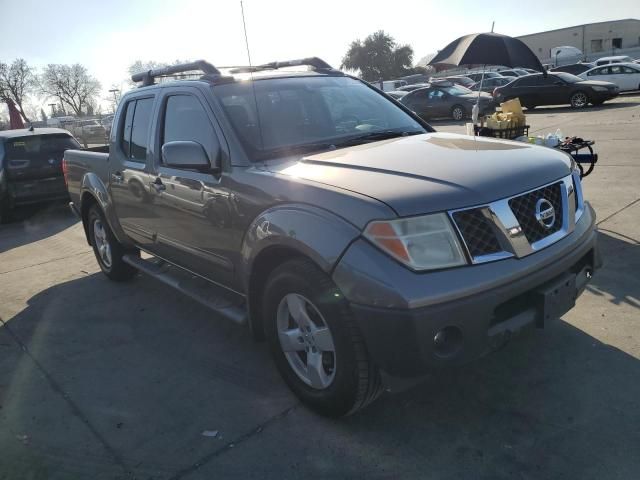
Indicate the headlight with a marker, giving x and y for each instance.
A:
(599, 88)
(422, 243)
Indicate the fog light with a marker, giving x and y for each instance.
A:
(447, 342)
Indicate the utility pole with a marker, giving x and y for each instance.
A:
(115, 98)
(53, 109)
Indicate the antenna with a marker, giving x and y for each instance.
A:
(253, 85)
(493, 24)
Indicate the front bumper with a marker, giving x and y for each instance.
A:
(400, 312)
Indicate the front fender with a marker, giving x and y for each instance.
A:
(91, 184)
(312, 231)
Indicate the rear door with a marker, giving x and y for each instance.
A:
(418, 102)
(129, 182)
(629, 78)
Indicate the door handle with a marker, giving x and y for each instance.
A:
(117, 177)
(158, 185)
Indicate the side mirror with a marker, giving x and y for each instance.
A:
(188, 154)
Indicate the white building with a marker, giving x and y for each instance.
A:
(594, 40)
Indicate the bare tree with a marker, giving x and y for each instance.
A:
(16, 81)
(146, 65)
(71, 85)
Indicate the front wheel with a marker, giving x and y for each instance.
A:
(458, 112)
(108, 250)
(579, 100)
(315, 343)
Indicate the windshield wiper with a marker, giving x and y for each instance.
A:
(375, 136)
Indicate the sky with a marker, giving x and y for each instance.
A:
(108, 36)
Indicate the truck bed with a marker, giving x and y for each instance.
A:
(80, 163)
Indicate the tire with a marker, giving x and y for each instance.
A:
(458, 112)
(579, 99)
(107, 249)
(345, 380)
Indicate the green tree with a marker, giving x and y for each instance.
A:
(379, 56)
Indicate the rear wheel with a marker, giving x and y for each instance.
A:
(108, 250)
(579, 100)
(458, 112)
(315, 343)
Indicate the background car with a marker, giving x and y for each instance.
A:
(412, 87)
(530, 70)
(397, 94)
(615, 59)
(489, 84)
(476, 76)
(89, 131)
(625, 75)
(515, 72)
(460, 80)
(556, 88)
(574, 68)
(31, 167)
(446, 100)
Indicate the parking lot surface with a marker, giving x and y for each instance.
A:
(105, 380)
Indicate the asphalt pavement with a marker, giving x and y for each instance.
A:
(100, 380)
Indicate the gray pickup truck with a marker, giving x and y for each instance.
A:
(333, 221)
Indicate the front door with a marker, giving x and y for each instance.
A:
(192, 208)
(129, 178)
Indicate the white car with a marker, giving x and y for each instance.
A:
(625, 75)
(616, 59)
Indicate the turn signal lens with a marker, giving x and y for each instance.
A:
(422, 243)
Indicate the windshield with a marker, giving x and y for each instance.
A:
(311, 112)
(456, 90)
(567, 77)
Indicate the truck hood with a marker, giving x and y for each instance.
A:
(433, 172)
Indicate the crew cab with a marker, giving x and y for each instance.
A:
(334, 222)
(31, 167)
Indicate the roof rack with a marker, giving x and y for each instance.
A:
(148, 78)
(314, 62)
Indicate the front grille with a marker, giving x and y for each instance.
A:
(524, 209)
(477, 232)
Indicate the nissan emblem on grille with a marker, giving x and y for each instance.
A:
(545, 213)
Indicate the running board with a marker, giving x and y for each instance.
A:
(197, 288)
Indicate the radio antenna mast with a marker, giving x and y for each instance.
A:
(253, 85)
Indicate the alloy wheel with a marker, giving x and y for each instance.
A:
(102, 243)
(306, 341)
(579, 100)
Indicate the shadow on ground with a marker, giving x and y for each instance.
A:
(33, 223)
(147, 371)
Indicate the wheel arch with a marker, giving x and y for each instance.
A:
(93, 190)
(284, 233)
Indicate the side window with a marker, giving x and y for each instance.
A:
(528, 81)
(140, 129)
(186, 119)
(615, 69)
(125, 139)
(629, 70)
(435, 94)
